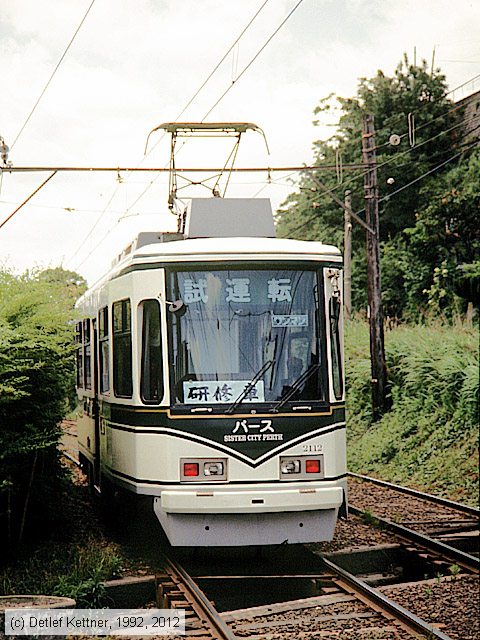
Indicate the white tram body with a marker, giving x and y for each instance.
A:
(210, 372)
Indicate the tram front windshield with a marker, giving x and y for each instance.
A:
(248, 334)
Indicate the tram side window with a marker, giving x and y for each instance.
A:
(335, 346)
(104, 350)
(122, 349)
(79, 353)
(151, 381)
(87, 355)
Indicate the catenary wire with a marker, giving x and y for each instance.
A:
(326, 192)
(427, 173)
(27, 199)
(453, 107)
(400, 155)
(53, 74)
(249, 64)
(238, 77)
(189, 102)
(390, 195)
(214, 70)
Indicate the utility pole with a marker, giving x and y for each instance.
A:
(377, 345)
(347, 255)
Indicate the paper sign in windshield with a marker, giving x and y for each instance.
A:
(290, 321)
(221, 391)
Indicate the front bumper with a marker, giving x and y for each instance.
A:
(204, 517)
(203, 501)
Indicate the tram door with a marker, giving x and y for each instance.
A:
(96, 408)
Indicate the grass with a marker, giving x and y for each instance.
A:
(430, 437)
(73, 562)
(74, 570)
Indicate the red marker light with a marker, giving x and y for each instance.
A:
(312, 466)
(190, 469)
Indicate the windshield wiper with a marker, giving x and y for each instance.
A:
(250, 386)
(296, 385)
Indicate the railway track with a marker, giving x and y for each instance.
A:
(176, 589)
(470, 511)
(342, 607)
(438, 525)
(338, 605)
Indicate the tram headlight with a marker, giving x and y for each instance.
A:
(213, 469)
(291, 466)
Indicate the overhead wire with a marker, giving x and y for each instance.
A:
(4, 222)
(453, 107)
(230, 86)
(249, 64)
(402, 188)
(402, 154)
(141, 195)
(378, 166)
(57, 66)
(427, 173)
(189, 102)
(97, 221)
(215, 69)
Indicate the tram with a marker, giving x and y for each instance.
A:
(210, 376)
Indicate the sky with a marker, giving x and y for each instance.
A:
(135, 64)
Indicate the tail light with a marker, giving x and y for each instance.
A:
(312, 466)
(190, 469)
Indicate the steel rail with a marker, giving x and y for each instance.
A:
(380, 600)
(461, 558)
(458, 506)
(197, 597)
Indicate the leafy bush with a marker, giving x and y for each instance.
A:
(36, 383)
(69, 570)
(430, 437)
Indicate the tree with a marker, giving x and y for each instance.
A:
(446, 240)
(36, 379)
(430, 140)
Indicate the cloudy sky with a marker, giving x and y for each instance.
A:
(137, 63)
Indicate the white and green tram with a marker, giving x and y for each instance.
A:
(210, 373)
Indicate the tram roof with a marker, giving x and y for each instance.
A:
(235, 247)
(219, 250)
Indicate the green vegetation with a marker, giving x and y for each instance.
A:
(430, 246)
(429, 195)
(74, 570)
(36, 389)
(74, 559)
(430, 437)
